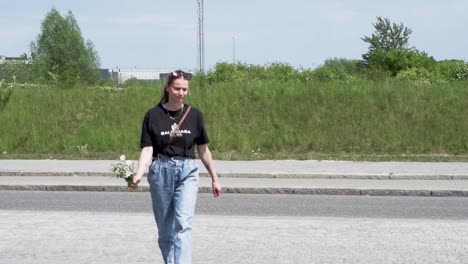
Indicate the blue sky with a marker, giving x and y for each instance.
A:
(303, 33)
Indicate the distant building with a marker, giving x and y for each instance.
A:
(104, 74)
(140, 74)
(24, 58)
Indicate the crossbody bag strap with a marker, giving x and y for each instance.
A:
(173, 132)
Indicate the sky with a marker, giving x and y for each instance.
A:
(303, 33)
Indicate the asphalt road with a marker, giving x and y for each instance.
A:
(455, 208)
(108, 227)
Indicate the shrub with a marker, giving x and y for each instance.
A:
(461, 72)
(282, 72)
(232, 72)
(397, 60)
(226, 72)
(5, 94)
(417, 75)
(337, 69)
(445, 70)
(17, 72)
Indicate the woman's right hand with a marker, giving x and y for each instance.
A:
(146, 157)
(134, 183)
(216, 187)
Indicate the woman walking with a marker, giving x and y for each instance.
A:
(170, 133)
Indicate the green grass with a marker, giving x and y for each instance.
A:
(360, 120)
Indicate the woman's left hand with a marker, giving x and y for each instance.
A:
(216, 188)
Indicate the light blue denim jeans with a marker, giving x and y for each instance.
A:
(174, 185)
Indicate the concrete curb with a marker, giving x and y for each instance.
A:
(241, 190)
(264, 175)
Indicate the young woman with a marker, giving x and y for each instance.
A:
(170, 132)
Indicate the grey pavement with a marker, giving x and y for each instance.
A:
(106, 238)
(281, 176)
(260, 169)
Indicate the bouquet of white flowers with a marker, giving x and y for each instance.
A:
(124, 169)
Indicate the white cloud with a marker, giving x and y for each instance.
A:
(336, 12)
(341, 16)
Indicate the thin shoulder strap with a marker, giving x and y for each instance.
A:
(173, 132)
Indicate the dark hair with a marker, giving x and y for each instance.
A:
(170, 80)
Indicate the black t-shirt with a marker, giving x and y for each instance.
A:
(157, 127)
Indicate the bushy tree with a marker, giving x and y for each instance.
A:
(389, 52)
(387, 36)
(60, 54)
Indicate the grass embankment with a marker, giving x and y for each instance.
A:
(259, 120)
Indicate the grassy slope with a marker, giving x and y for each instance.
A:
(258, 120)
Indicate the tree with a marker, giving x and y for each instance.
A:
(60, 55)
(389, 52)
(387, 36)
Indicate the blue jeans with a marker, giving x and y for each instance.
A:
(174, 185)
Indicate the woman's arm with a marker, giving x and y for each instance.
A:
(205, 156)
(144, 162)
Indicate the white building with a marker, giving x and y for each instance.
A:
(25, 58)
(141, 74)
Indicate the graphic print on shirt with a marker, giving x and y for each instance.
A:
(178, 133)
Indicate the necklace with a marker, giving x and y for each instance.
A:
(176, 114)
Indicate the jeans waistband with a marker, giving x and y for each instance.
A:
(162, 157)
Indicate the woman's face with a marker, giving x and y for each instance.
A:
(178, 90)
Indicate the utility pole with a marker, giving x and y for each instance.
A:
(234, 49)
(200, 42)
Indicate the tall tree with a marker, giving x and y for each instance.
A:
(388, 51)
(387, 36)
(61, 55)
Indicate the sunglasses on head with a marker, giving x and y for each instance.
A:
(179, 73)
